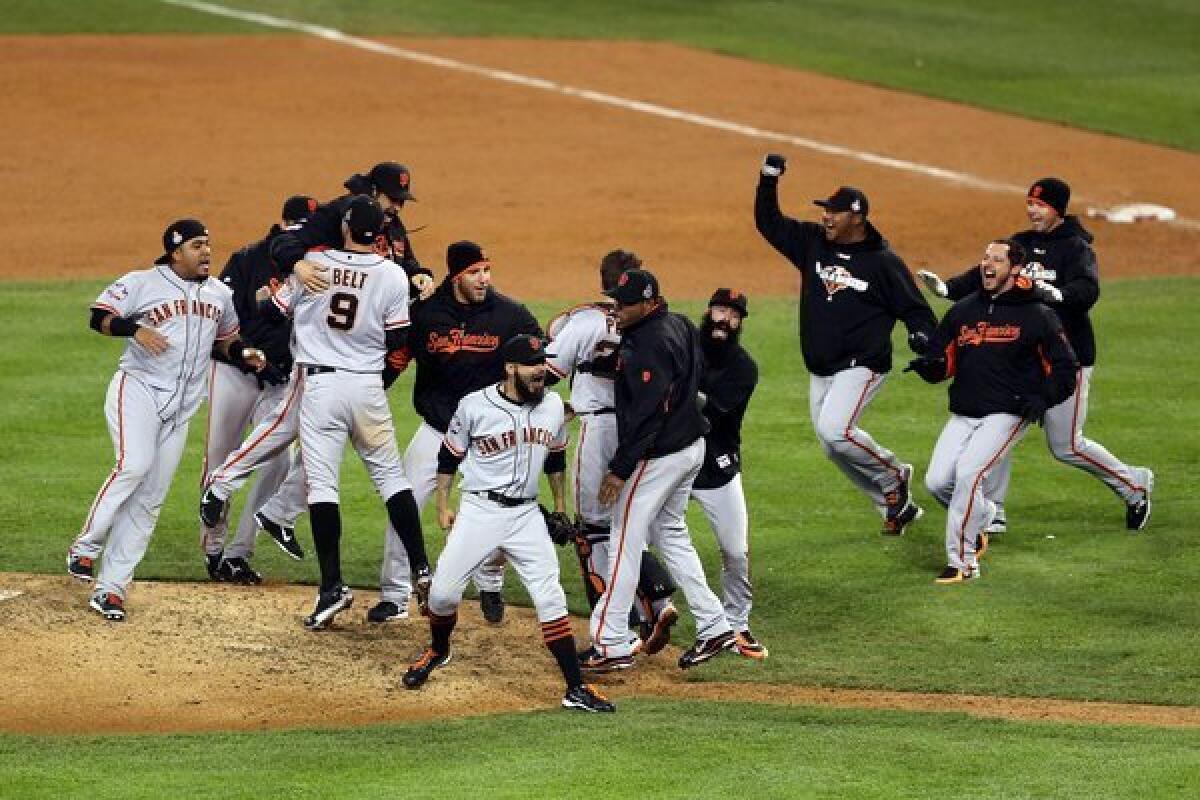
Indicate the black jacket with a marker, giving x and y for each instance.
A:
(1065, 259)
(248, 271)
(658, 375)
(850, 295)
(324, 229)
(456, 347)
(728, 382)
(1002, 350)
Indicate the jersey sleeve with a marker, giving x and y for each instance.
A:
(561, 437)
(395, 313)
(230, 322)
(562, 356)
(120, 297)
(458, 432)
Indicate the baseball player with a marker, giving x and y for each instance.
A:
(660, 435)
(238, 398)
(343, 337)
(1063, 266)
(730, 376)
(455, 341)
(1010, 361)
(174, 317)
(504, 436)
(388, 183)
(583, 350)
(853, 289)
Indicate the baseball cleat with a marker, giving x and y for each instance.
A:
(591, 661)
(212, 563)
(418, 672)
(212, 508)
(705, 649)
(894, 526)
(81, 568)
(386, 611)
(492, 606)
(900, 497)
(239, 571)
(108, 605)
(1138, 514)
(956, 575)
(421, 587)
(660, 634)
(585, 698)
(329, 605)
(999, 525)
(747, 646)
(283, 535)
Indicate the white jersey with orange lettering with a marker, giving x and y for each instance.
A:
(583, 348)
(150, 401)
(345, 327)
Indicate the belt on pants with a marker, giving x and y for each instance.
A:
(597, 412)
(317, 369)
(505, 500)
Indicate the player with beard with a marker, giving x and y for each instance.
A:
(504, 436)
(729, 378)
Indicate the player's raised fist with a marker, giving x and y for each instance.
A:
(774, 165)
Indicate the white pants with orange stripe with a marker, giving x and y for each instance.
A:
(420, 465)
(967, 450)
(1064, 437)
(125, 511)
(725, 508)
(835, 403)
(652, 509)
(483, 527)
(235, 401)
(273, 434)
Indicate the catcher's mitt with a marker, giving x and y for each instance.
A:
(558, 525)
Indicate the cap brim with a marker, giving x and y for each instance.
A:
(401, 197)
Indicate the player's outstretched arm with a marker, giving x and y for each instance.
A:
(107, 323)
(442, 498)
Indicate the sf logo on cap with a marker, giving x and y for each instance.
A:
(535, 343)
(176, 237)
(855, 206)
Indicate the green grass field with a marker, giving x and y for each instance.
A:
(1117, 67)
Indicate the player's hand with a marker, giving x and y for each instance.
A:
(272, 375)
(933, 283)
(1047, 293)
(446, 517)
(424, 285)
(154, 342)
(314, 276)
(610, 488)
(774, 165)
(918, 342)
(1033, 409)
(254, 358)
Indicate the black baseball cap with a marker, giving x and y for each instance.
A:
(634, 286)
(846, 198)
(392, 179)
(525, 350)
(178, 232)
(364, 217)
(1054, 192)
(298, 208)
(731, 298)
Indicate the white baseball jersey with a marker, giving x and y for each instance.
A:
(345, 326)
(190, 314)
(579, 336)
(504, 444)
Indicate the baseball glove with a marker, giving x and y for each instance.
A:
(559, 526)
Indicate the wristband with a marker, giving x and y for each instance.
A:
(122, 326)
(237, 349)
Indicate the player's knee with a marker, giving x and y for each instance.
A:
(939, 484)
(322, 494)
(831, 433)
(1064, 449)
(443, 600)
(551, 603)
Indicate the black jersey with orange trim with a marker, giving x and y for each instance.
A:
(457, 348)
(1001, 350)
(729, 379)
(251, 275)
(658, 375)
(1064, 258)
(851, 295)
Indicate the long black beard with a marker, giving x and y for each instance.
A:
(527, 394)
(717, 349)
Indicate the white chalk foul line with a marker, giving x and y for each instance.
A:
(938, 173)
(10, 594)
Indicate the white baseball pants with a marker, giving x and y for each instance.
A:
(725, 508)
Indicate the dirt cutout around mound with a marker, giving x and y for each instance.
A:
(204, 657)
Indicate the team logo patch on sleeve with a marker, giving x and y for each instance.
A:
(646, 376)
(118, 291)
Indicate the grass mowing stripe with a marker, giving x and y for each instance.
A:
(649, 748)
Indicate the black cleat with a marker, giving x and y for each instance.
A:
(81, 568)
(704, 649)
(492, 606)
(418, 672)
(386, 611)
(239, 571)
(212, 563)
(284, 536)
(591, 661)
(660, 633)
(1138, 514)
(329, 604)
(586, 698)
(212, 509)
(108, 605)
